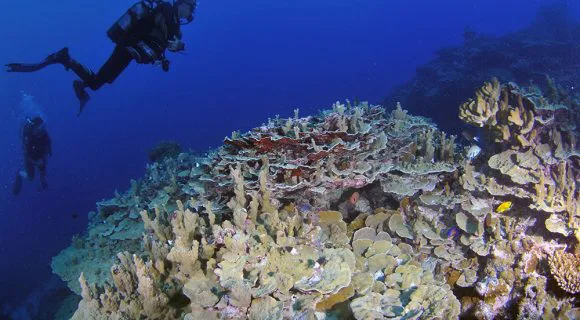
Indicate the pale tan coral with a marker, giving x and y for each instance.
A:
(408, 185)
(447, 148)
(482, 110)
(399, 113)
(266, 308)
(428, 299)
(521, 167)
(162, 231)
(555, 224)
(565, 268)
(198, 290)
(509, 116)
(397, 226)
(468, 223)
(141, 298)
(185, 250)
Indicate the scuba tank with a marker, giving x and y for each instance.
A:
(121, 30)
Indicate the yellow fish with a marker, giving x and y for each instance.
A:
(504, 206)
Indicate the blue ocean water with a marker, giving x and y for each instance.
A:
(245, 62)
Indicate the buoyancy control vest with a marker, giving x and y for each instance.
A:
(120, 32)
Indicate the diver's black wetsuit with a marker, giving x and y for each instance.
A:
(37, 147)
(146, 44)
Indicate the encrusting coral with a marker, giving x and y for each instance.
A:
(354, 212)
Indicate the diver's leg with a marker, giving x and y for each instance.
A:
(63, 57)
(79, 88)
(42, 172)
(17, 187)
(60, 56)
(113, 67)
(29, 165)
(88, 79)
(86, 74)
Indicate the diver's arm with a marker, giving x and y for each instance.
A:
(169, 26)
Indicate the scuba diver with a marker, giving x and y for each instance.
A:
(37, 147)
(142, 34)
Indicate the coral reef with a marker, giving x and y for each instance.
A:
(355, 211)
(165, 149)
(529, 164)
(116, 227)
(547, 47)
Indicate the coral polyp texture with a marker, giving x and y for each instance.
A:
(354, 213)
(565, 268)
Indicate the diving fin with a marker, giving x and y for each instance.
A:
(61, 56)
(81, 94)
(24, 67)
(17, 184)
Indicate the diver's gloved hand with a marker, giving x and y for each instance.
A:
(176, 45)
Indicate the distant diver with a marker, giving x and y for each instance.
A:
(142, 34)
(36, 147)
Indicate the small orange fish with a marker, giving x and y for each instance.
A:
(504, 206)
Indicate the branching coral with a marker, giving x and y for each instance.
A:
(565, 268)
(482, 110)
(527, 168)
(507, 115)
(535, 166)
